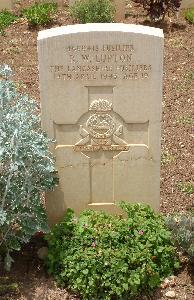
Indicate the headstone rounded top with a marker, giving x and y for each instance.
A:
(103, 27)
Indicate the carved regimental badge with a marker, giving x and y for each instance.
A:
(100, 130)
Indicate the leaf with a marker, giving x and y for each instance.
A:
(8, 262)
(177, 265)
(126, 286)
(3, 216)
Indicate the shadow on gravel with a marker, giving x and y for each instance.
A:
(167, 26)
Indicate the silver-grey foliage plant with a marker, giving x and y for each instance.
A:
(26, 168)
(180, 225)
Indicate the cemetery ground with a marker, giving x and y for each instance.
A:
(18, 49)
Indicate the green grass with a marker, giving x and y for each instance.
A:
(166, 157)
(40, 13)
(185, 120)
(6, 18)
(191, 75)
(186, 187)
(189, 15)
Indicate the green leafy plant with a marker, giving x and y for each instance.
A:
(167, 157)
(189, 15)
(93, 11)
(180, 225)
(158, 9)
(100, 256)
(186, 187)
(6, 18)
(26, 168)
(190, 76)
(185, 120)
(7, 286)
(40, 13)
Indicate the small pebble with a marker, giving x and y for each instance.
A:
(165, 283)
(171, 294)
(172, 280)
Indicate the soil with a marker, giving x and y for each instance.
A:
(19, 50)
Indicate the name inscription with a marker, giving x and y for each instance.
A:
(106, 62)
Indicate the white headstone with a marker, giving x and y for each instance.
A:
(101, 94)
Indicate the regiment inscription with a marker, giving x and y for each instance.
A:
(114, 61)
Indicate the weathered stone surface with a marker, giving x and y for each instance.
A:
(187, 4)
(101, 94)
(6, 4)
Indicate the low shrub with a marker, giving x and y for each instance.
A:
(158, 9)
(40, 13)
(189, 15)
(93, 11)
(181, 227)
(26, 168)
(6, 18)
(100, 256)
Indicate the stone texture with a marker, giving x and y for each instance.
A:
(101, 94)
(6, 4)
(187, 4)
